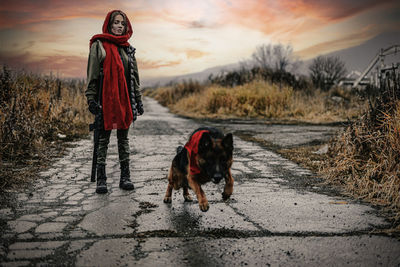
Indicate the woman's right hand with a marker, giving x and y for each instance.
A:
(94, 108)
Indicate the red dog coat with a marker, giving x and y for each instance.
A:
(192, 147)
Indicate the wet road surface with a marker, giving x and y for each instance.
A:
(267, 221)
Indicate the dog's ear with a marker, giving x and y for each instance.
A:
(227, 142)
(205, 143)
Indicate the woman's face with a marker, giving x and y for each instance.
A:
(118, 25)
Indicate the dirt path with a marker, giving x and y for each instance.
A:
(269, 220)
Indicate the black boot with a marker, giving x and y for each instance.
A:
(125, 182)
(101, 186)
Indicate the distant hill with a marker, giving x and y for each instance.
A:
(199, 76)
(356, 58)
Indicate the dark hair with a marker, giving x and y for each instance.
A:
(112, 17)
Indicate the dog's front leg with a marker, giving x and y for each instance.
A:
(168, 197)
(201, 197)
(228, 190)
(168, 194)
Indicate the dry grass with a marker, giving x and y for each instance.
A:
(170, 95)
(366, 160)
(34, 112)
(332, 106)
(260, 99)
(250, 100)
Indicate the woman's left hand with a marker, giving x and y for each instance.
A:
(140, 109)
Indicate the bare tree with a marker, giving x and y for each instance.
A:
(276, 57)
(282, 57)
(262, 56)
(327, 71)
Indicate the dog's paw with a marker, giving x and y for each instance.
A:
(225, 196)
(167, 199)
(188, 198)
(204, 206)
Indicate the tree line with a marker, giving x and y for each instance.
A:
(278, 64)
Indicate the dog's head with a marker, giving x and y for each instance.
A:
(215, 155)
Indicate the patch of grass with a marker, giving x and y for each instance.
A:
(261, 99)
(251, 100)
(37, 113)
(306, 155)
(170, 95)
(366, 160)
(326, 107)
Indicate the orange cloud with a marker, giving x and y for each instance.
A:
(190, 53)
(193, 53)
(325, 10)
(64, 65)
(148, 64)
(288, 16)
(21, 13)
(342, 43)
(176, 17)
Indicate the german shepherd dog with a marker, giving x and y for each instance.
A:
(207, 156)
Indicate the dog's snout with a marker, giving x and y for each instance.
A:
(217, 177)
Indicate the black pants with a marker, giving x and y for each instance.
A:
(123, 145)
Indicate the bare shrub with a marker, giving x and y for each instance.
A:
(244, 76)
(276, 57)
(327, 71)
(273, 63)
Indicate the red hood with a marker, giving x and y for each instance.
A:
(121, 40)
(129, 30)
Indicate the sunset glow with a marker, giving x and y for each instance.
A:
(176, 37)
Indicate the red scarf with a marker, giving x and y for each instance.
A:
(192, 147)
(117, 111)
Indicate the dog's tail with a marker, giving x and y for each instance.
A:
(179, 149)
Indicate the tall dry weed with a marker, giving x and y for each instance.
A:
(34, 112)
(367, 161)
(366, 157)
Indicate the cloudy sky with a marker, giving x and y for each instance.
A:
(175, 37)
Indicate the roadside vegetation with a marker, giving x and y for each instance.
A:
(37, 114)
(260, 99)
(365, 158)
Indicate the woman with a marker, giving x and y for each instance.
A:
(112, 70)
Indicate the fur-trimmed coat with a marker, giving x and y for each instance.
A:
(96, 57)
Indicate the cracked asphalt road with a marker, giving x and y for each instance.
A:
(268, 220)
